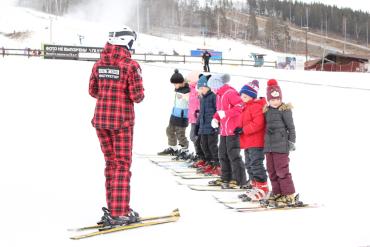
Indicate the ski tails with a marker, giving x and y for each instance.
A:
(128, 227)
(174, 213)
(259, 208)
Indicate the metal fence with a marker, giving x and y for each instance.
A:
(142, 57)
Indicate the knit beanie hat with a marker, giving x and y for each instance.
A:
(177, 77)
(273, 90)
(251, 89)
(203, 80)
(217, 81)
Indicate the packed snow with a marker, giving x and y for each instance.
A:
(52, 168)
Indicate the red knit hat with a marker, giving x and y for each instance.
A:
(273, 90)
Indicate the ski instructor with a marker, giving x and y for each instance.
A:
(116, 83)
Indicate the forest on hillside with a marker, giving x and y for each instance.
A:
(223, 18)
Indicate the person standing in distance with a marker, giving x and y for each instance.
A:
(116, 83)
(206, 57)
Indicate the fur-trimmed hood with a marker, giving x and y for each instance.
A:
(283, 107)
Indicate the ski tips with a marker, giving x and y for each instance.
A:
(175, 213)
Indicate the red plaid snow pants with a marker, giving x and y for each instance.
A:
(117, 148)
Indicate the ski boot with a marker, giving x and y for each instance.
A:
(168, 151)
(106, 213)
(198, 164)
(258, 192)
(270, 201)
(216, 171)
(109, 221)
(217, 182)
(287, 201)
(230, 185)
(183, 154)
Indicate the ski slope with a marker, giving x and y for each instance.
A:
(52, 169)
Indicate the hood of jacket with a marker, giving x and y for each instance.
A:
(113, 54)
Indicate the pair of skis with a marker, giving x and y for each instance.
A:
(143, 222)
(256, 206)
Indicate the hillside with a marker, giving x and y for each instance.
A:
(317, 41)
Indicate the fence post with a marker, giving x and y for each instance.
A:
(165, 58)
(145, 57)
(184, 59)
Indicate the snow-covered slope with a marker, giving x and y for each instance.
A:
(51, 176)
(45, 28)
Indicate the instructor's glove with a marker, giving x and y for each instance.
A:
(214, 123)
(291, 146)
(238, 131)
(221, 114)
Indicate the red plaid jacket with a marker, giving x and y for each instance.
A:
(116, 83)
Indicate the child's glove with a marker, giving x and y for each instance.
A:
(221, 114)
(196, 114)
(291, 146)
(238, 131)
(214, 123)
(196, 130)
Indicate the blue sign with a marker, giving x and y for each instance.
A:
(216, 55)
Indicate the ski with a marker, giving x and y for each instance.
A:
(169, 161)
(213, 188)
(183, 170)
(141, 155)
(182, 174)
(188, 182)
(127, 227)
(174, 213)
(233, 199)
(198, 176)
(259, 208)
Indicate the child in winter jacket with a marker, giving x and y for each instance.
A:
(229, 108)
(252, 131)
(280, 137)
(194, 104)
(209, 136)
(179, 118)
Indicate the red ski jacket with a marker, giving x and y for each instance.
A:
(116, 83)
(252, 120)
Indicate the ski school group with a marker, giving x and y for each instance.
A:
(223, 121)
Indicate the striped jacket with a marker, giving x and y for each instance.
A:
(180, 110)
